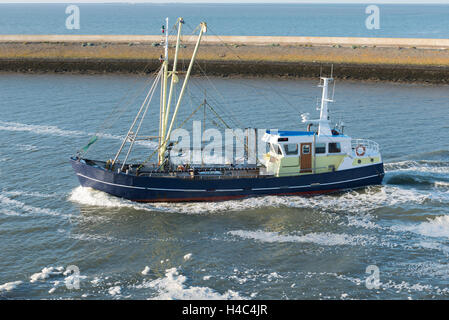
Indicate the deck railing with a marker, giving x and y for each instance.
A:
(370, 145)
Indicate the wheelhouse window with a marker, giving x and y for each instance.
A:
(291, 149)
(320, 148)
(334, 147)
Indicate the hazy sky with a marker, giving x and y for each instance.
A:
(233, 1)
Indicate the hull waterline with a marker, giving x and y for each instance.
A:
(175, 189)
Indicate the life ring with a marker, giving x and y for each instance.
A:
(358, 152)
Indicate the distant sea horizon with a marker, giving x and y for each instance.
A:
(261, 19)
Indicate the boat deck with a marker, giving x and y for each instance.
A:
(187, 172)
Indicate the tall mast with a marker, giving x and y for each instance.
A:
(173, 73)
(162, 148)
(164, 84)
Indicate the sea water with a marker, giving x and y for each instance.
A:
(343, 20)
(52, 231)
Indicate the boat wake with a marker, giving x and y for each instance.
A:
(39, 129)
(14, 207)
(327, 238)
(436, 227)
(418, 173)
(92, 197)
(56, 131)
(359, 201)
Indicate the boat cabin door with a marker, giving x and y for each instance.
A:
(306, 157)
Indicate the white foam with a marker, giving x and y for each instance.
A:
(239, 280)
(405, 286)
(362, 221)
(145, 270)
(273, 275)
(188, 256)
(8, 212)
(27, 209)
(172, 287)
(9, 286)
(115, 290)
(26, 147)
(105, 238)
(38, 129)
(425, 166)
(327, 238)
(436, 227)
(148, 144)
(392, 285)
(45, 273)
(441, 184)
(55, 131)
(28, 194)
(91, 197)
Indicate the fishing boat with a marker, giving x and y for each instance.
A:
(319, 159)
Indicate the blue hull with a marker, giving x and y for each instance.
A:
(173, 189)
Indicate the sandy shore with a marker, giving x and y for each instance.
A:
(422, 60)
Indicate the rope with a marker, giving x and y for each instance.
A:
(293, 108)
(107, 123)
